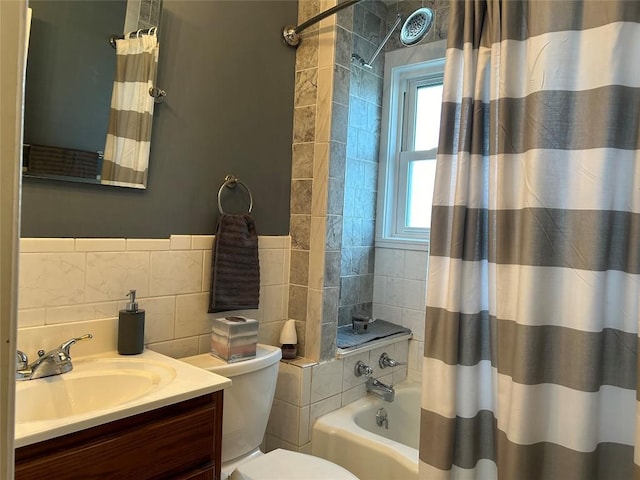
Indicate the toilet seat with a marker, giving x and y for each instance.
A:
(284, 465)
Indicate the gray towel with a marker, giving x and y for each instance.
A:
(235, 269)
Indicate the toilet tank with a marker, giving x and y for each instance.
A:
(247, 402)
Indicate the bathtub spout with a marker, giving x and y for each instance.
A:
(382, 390)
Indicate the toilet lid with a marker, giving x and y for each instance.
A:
(284, 465)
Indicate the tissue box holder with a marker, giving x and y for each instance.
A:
(234, 338)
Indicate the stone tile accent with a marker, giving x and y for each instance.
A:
(302, 161)
(301, 196)
(300, 232)
(299, 271)
(306, 89)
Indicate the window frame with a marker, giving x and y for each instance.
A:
(405, 71)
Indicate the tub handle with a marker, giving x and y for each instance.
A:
(386, 361)
(362, 369)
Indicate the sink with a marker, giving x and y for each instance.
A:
(93, 385)
(103, 388)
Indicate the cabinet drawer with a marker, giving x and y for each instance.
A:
(162, 444)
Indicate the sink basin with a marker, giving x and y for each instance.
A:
(93, 385)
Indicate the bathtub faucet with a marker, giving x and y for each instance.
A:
(382, 390)
(386, 361)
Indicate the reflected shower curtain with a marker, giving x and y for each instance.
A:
(529, 368)
(126, 153)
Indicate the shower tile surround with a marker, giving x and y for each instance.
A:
(335, 155)
(399, 296)
(327, 230)
(307, 390)
(335, 161)
(367, 27)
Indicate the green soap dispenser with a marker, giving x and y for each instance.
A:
(131, 327)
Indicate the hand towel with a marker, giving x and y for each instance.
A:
(235, 269)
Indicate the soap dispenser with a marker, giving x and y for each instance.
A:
(131, 327)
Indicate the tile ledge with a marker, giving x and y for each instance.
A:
(383, 342)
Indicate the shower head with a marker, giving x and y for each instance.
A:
(414, 29)
(416, 26)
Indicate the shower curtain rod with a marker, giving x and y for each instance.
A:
(142, 31)
(291, 34)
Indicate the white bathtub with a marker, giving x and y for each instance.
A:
(351, 438)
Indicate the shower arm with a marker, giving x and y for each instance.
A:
(291, 34)
(386, 39)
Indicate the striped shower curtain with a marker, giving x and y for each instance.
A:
(126, 153)
(530, 360)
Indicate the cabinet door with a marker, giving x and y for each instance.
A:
(162, 444)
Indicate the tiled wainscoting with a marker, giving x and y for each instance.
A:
(399, 296)
(308, 390)
(68, 287)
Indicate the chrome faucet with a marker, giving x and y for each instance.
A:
(54, 362)
(382, 418)
(22, 361)
(387, 361)
(361, 369)
(382, 390)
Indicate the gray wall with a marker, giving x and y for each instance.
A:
(229, 109)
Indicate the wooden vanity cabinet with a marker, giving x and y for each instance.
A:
(176, 442)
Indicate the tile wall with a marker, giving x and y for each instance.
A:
(318, 147)
(335, 145)
(307, 390)
(142, 14)
(399, 296)
(365, 27)
(71, 286)
(332, 234)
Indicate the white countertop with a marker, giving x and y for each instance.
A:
(189, 382)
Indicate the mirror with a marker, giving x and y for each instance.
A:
(69, 81)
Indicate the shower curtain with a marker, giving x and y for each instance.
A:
(126, 153)
(529, 368)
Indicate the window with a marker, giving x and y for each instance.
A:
(409, 141)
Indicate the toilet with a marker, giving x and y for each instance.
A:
(247, 403)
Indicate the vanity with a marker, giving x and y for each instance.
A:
(146, 416)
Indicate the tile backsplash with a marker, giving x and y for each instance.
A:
(71, 286)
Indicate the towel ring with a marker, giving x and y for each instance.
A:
(230, 182)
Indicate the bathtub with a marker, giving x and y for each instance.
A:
(351, 438)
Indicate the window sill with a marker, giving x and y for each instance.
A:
(402, 244)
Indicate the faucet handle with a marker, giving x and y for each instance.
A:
(387, 361)
(67, 345)
(362, 369)
(22, 361)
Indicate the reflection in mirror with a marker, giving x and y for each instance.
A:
(69, 83)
